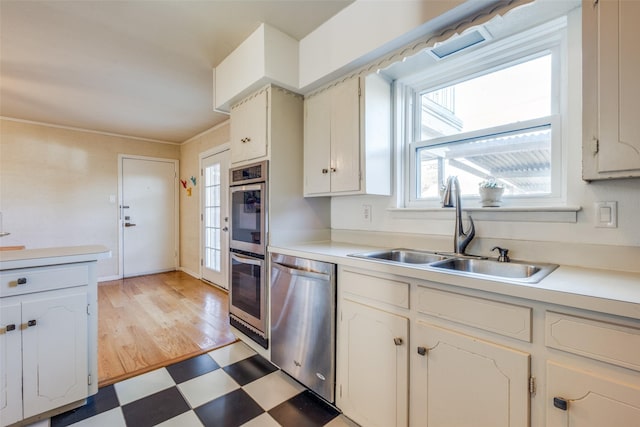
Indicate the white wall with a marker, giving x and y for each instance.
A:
(346, 211)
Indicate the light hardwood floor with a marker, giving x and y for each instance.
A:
(152, 321)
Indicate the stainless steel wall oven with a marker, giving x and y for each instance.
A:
(248, 237)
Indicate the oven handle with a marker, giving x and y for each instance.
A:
(301, 273)
(246, 260)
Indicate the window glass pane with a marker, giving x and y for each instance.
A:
(513, 94)
(519, 160)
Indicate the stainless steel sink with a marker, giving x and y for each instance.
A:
(515, 271)
(402, 256)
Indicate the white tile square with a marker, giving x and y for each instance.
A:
(264, 420)
(143, 385)
(111, 418)
(232, 353)
(207, 387)
(273, 389)
(187, 419)
(341, 421)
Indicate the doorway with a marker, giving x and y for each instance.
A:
(148, 215)
(214, 166)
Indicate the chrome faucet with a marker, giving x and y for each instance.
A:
(461, 239)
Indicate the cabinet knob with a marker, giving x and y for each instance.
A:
(22, 280)
(32, 322)
(11, 327)
(333, 170)
(560, 403)
(325, 171)
(422, 351)
(245, 140)
(397, 341)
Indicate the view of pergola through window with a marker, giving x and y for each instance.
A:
(496, 125)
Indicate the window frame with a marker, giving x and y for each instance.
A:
(548, 38)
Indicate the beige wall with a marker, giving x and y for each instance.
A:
(56, 184)
(190, 206)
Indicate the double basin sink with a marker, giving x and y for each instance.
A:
(513, 271)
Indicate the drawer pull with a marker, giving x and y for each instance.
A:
(422, 351)
(32, 322)
(397, 341)
(560, 403)
(22, 280)
(11, 327)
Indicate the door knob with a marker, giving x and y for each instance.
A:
(225, 229)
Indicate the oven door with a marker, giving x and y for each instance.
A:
(248, 210)
(248, 297)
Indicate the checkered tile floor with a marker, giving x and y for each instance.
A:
(229, 387)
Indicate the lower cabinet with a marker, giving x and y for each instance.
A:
(372, 365)
(579, 398)
(459, 380)
(43, 352)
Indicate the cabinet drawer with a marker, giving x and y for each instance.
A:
(607, 342)
(394, 292)
(28, 280)
(505, 319)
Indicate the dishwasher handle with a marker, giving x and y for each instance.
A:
(301, 273)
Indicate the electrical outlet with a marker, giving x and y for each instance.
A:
(366, 213)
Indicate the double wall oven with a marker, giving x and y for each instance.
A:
(248, 308)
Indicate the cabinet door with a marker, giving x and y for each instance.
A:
(372, 366)
(462, 381)
(317, 144)
(612, 89)
(591, 400)
(345, 136)
(10, 363)
(54, 356)
(249, 128)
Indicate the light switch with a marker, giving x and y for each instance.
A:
(606, 214)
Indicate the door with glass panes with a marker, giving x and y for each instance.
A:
(215, 217)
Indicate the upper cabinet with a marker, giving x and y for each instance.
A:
(249, 128)
(347, 138)
(611, 89)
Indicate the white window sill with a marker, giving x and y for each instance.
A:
(567, 214)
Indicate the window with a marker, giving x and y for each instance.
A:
(491, 113)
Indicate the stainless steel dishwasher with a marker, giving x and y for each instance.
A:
(303, 321)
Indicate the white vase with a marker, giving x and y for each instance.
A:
(491, 197)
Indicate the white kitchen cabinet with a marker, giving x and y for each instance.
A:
(459, 380)
(48, 340)
(580, 398)
(372, 375)
(249, 128)
(347, 138)
(611, 89)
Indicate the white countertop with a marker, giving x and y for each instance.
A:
(605, 291)
(52, 256)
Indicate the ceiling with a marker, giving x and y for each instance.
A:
(133, 67)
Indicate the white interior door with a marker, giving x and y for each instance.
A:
(148, 216)
(215, 218)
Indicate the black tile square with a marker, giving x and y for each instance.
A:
(250, 369)
(231, 410)
(156, 408)
(105, 400)
(191, 368)
(303, 410)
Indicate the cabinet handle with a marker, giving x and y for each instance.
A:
(560, 403)
(397, 341)
(11, 327)
(325, 171)
(422, 351)
(22, 280)
(245, 140)
(32, 322)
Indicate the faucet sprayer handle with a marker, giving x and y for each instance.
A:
(504, 254)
